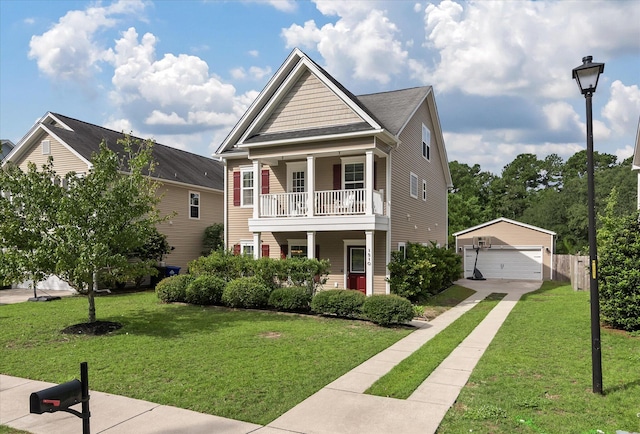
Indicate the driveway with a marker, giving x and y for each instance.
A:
(11, 296)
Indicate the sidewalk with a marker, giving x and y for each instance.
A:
(340, 407)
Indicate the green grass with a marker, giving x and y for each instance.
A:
(4, 429)
(246, 365)
(405, 377)
(439, 303)
(535, 377)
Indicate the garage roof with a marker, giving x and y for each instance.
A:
(503, 219)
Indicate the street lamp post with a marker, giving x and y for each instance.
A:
(586, 75)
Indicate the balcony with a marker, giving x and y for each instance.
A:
(326, 203)
(332, 210)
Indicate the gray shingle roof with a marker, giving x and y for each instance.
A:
(394, 108)
(172, 164)
(312, 132)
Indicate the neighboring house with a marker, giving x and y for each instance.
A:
(191, 185)
(509, 250)
(314, 171)
(636, 160)
(7, 146)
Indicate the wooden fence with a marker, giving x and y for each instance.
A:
(574, 269)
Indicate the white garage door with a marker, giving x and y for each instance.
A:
(517, 263)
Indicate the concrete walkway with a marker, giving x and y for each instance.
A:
(340, 407)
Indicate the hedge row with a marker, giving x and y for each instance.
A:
(252, 292)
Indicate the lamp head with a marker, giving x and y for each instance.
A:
(587, 74)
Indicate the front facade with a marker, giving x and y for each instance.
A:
(507, 249)
(191, 186)
(312, 170)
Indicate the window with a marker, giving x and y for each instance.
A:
(352, 173)
(246, 191)
(297, 248)
(194, 205)
(246, 247)
(413, 185)
(357, 262)
(426, 142)
(424, 190)
(402, 248)
(46, 147)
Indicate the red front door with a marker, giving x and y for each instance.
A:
(356, 276)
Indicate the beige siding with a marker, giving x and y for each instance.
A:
(64, 160)
(185, 234)
(237, 216)
(309, 104)
(509, 234)
(379, 263)
(413, 219)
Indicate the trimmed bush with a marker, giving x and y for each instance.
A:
(389, 309)
(340, 302)
(291, 299)
(223, 264)
(205, 290)
(174, 288)
(247, 292)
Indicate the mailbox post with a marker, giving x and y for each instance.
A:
(63, 396)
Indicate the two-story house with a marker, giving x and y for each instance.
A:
(313, 170)
(191, 186)
(635, 165)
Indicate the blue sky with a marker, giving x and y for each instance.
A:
(183, 72)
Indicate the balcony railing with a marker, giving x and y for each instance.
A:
(326, 203)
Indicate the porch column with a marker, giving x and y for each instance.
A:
(257, 245)
(257, 189)
(311, 185)
(368, 183)
(311, 244)
(369, 257)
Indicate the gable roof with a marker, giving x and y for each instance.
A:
(506, 220)
(83, 139)
(394, 108)
(635, 165)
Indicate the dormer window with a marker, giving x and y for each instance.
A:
(46, 147)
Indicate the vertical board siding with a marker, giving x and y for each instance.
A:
(64, 160)
(183, 233)
(309, 104)
(413, 219)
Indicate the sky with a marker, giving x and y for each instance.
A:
(184, 72)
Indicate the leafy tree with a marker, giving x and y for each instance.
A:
(619, 267)
(82, 225)
(213, 238)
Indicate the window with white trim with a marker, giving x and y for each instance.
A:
(246, 189)
(424, 189)
(194, 205)
(426, 142)
(413, 185)
(297, 248)
(46, 147)
(353, 169)
(402, 248)
(246, 248)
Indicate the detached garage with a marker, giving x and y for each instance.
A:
(507, 249)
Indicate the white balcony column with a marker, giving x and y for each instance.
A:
(257, 188)
(257, 245)
(368, 184)
(311, 185)
(369, 257)
(311, 244)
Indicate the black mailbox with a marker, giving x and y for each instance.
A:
(56, 398)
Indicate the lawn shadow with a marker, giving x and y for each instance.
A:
(622, 387)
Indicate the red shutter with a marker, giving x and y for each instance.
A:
(375, 175)
(265, 181)
(236, 188)
(236, 249)
(265, 251)
(337, 177)
(284, 251)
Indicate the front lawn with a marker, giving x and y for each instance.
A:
(535, 377)
(246, 365)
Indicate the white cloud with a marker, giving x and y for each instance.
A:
(624, 153)
(361, 44)
(29, 21)
(505, 48)
(68, 50)
(238, 73)
(561, 116)
(254, 72)
(284, 5)
(623, 108)
(254, 53)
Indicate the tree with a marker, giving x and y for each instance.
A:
(80, 225)
(619, 267)
(213, 238)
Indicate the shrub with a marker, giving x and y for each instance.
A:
(247, 292)
(223, 264)
(174, 288)
(311, 273)
(340, 302)
(426, 270)
(292, 299)
(387, 309)
(205, 290)
(213, 239)
(271, 271)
